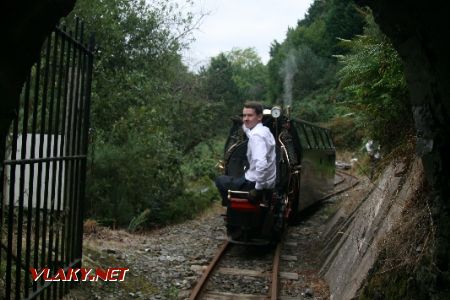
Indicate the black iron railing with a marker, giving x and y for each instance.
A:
(44, 174)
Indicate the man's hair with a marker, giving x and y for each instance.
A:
(255, 105)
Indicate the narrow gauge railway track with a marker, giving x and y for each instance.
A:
(242, 265)
(343, 182)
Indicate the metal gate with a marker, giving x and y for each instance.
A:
(44, 174)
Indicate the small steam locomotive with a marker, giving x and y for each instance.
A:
(305, 175)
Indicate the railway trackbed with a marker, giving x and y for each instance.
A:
(242, 272)
(251, 272)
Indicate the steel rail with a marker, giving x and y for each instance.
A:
(341, 180)
(352, 184)
(275, 271)
(273, 295)
(200, 284)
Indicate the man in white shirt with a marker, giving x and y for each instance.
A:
(260, 155)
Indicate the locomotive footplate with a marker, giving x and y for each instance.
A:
(252, 222)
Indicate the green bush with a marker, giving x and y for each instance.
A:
(137, 223)
(315, 107)
(138, 168)
(194, 200)
(346, 135)
(374, 87)
(139, 177)
(203, 159)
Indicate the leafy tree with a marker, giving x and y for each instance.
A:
(221, 88)
(219, 79)
(233, 77)
(143, 125)
(278, 55)
(249, 73)
(315, 12)
(343, 20)
(137, 47)
(192, 117)
(302, 66)
(312, 36)
(302, 73)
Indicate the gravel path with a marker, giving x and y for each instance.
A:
(164, 263)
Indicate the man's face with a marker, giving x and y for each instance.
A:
(250, 118)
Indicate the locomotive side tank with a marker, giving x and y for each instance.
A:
(317, 159)
(305, 175)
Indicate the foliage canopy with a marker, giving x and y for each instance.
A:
(158, 127)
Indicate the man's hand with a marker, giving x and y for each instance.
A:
(255, 195)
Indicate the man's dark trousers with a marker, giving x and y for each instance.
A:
(225, 183)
